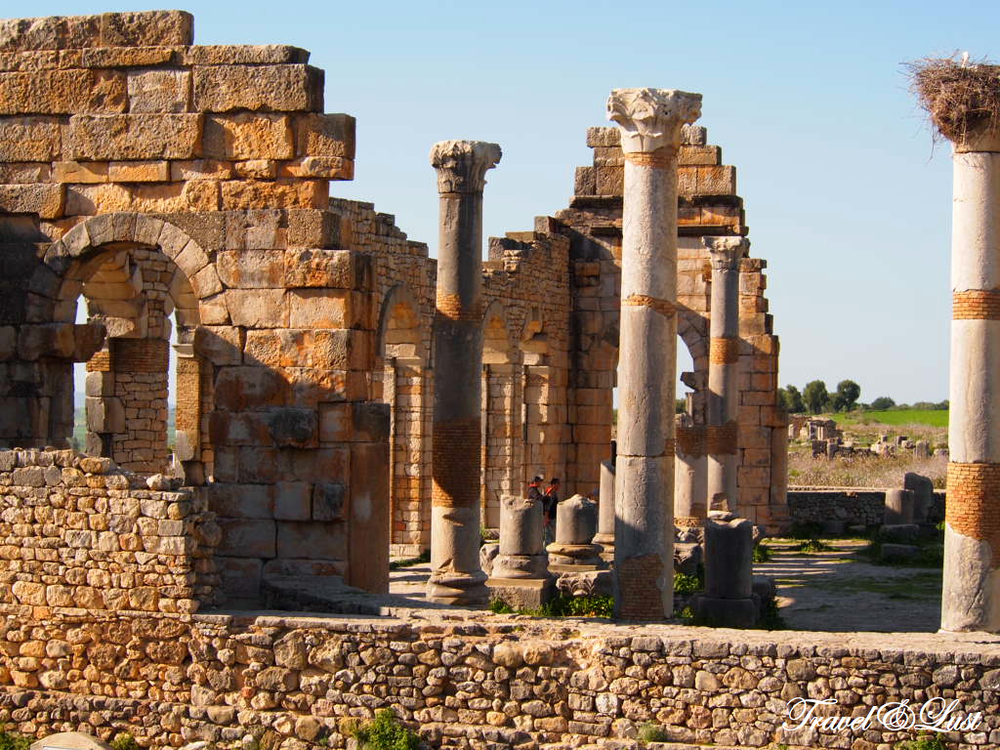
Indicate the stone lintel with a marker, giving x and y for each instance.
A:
(461, 165)
(651, 119)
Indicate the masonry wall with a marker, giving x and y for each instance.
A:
(853, 507)
(290, 681)
(78, 532)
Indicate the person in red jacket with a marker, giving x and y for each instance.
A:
(549, 508)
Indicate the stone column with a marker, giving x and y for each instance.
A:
(650, 121)
(690, 508)
(520, 575)
(456, 577)
(576, 525)
(605, 536)
(971, 588)
(723, 359)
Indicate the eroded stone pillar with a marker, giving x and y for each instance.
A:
(605, 536)
(456, 577)
(650, 121)
(723, 360)
(690, 508)
(971, 587)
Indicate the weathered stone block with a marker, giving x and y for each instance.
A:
(29, 139)
(44, 200)
(335, 422)
(220, 345)
(139, 136)
(320, 268)
(244, 54)
(139, 171)
(154, 28)
(325, 135)
(370, 421)
(247, 538)
(53, 92)
(248, 136)
(250, 269)
(315, 541)
(159, 91)
(258, 308)
(241, 500)
(324, 167)
(293, 427)
(284, 88)
(238, 195)
(313, 228)
(240, 388)
(323, 308)
(292, 501)
(328, 501)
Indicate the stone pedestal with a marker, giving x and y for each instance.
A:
(576, 524)
(650, 121)
(970, 597)
(520, 575)
(727, 601)
(605, 536)
(456, 577)
(923, 495)
(898, 507)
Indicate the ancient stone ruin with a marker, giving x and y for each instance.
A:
(342, 396)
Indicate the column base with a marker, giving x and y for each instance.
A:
(726, 613)
(522, 593)
(574, 556)
(520, 566)
(459, 589)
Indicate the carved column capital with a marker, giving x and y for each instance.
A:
(461, 165)
(651, 119)
(726, 252)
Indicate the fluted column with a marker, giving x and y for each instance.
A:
(723, 358)
(650, 121)
(971, 587)
(456, 577)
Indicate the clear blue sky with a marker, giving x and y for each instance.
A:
(845, 195)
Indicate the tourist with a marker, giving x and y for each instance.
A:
(549, 508)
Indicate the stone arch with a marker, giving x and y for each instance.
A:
(501, 413)
(402, 381)
(136, 272)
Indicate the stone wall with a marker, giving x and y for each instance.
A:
(79, 532)
(463, 683)
(853, 507)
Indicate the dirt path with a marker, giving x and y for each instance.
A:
(834, 591)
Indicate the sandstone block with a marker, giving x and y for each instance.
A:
(155, 28)
(159, 91)
(334, 422)
(139, 171)
(53, 92)
(325, 167)
(239, 388)
(241, 500)
(248, 136)
(244, 54)
(315, 541)
(293, 427)
(44, 200)
(220, 345)
(80, 172)
(258, 308)
(328, 501)
(248, 269)
(24, 172)
(247, 538)
(323, 308)
(325, 135)
(243, 195)
(287, 88)
(293, 501)
(138, 136)
(29, 138)
(312, 228)
(321, 268)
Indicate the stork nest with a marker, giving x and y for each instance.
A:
(961, 96)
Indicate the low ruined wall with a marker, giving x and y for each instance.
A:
(854, 507)
(171, 679)
(78, 532)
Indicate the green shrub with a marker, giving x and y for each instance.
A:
(14, 741)
(761, 553)
(685, 584)
(814, 545)
(651, 732)
(385, 732)
(579, 606)
(923, 742)
(124, 741)
(500, 607)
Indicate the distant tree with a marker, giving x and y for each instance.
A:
(680, 405)
(943, 405)
(815, 396)
(882, 403)
(792, 399)
(846, 396)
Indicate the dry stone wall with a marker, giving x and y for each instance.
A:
(171, 679)
(79, 532)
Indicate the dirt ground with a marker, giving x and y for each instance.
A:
(833, 591)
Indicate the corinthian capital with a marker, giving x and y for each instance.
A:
(461, 165)
(652, 118)
(726, 252)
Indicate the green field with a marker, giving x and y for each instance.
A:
(931, 418)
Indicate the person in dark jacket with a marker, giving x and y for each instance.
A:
(549, 508)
